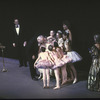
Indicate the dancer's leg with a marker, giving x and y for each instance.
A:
(56, 71)
(70, 76)
(64, 74)
(48, 76)
(74, 72)
(44, 78)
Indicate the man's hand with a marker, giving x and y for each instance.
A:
(24, 44)
(33, 57)
(34, 65)
(14, 45)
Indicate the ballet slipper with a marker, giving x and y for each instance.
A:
(99, 90)
(57, 87)
(47, 86)
(44, 87)
(64, 82)
(75, 80)
(39, 77)
(70, 80)
(42, 78)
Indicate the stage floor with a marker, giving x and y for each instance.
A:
(16, 83)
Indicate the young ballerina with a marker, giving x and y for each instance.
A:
(49, 42)
(60, 42)
(54, 57)
(52, 35)
(72, 54)
(45, 62)
(94, 72)
(57, 55)
(63, 58)
(42, 41)
(50, 39)
(59, 39)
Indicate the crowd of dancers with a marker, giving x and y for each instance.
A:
(55, 54)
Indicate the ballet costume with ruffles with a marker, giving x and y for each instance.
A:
(60, 62)
(44, 64)
(74, 56)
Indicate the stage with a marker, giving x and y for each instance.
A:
(16, 83)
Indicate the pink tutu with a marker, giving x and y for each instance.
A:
(58, 63)
(44, 64)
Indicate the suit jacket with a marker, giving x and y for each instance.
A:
(32, 48)
(18, 39)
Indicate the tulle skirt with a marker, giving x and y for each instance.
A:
(61, 62)
(74, 56)
(44, 64)
(58, 63)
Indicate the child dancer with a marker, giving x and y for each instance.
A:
(59, 39)
(57, 56)
(63, 58)
(53, 55)
(72, 54)
(52, 35)
(44, 61)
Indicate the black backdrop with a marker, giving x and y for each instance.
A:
(40, 16)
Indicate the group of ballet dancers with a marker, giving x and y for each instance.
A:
(55, 55)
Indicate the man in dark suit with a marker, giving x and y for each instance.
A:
(32, 54)
(19, 42)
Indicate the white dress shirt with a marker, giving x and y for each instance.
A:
(17, 29)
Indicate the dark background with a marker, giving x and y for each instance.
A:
(41, 16)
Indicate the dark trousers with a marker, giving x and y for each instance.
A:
(31, 65)
(21, 55)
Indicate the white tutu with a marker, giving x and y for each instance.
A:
(74, 56)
